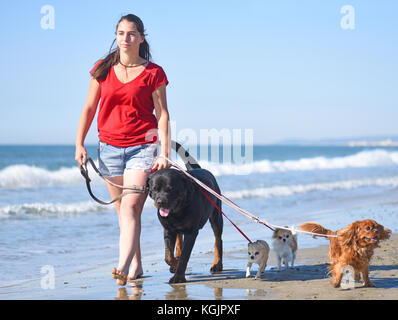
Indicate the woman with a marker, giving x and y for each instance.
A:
(130, 88)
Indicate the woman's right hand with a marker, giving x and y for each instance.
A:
(81, 155)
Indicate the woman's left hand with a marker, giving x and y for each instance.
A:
(160, 163)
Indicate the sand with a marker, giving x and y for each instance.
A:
(308, 280)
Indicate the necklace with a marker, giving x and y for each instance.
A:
(136, 65)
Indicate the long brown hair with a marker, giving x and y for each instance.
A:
(113, 56)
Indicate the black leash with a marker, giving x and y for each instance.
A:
(126, 190)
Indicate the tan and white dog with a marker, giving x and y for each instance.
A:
(258, 253)
(284, 243)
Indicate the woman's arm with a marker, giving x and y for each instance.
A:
(86, 118)
(162, 114)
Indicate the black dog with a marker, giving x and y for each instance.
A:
(184, 210)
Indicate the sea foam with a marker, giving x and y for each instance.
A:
(48, 209)
(284, 191)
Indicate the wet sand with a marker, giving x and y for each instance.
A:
(308, 280)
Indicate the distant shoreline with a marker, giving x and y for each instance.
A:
(385, 143)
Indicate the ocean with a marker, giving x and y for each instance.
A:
(47, 217)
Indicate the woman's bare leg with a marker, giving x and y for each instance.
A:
(130, 211)
(115, 192)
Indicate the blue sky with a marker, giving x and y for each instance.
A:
(285, 69)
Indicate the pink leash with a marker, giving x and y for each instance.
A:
(214, 204)
(229, 202)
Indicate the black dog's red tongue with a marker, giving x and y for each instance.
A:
(164, 212)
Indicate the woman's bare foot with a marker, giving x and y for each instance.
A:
(132, 278)
(135, 275)
(121, 278)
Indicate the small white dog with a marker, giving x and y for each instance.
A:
(258, 253)
(284, 243)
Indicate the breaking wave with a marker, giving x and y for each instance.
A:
(375, 158)
(24, 176)
(48, 209)
(65, 209)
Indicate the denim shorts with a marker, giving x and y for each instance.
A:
(114, 160)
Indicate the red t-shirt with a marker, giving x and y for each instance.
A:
(125, 116)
